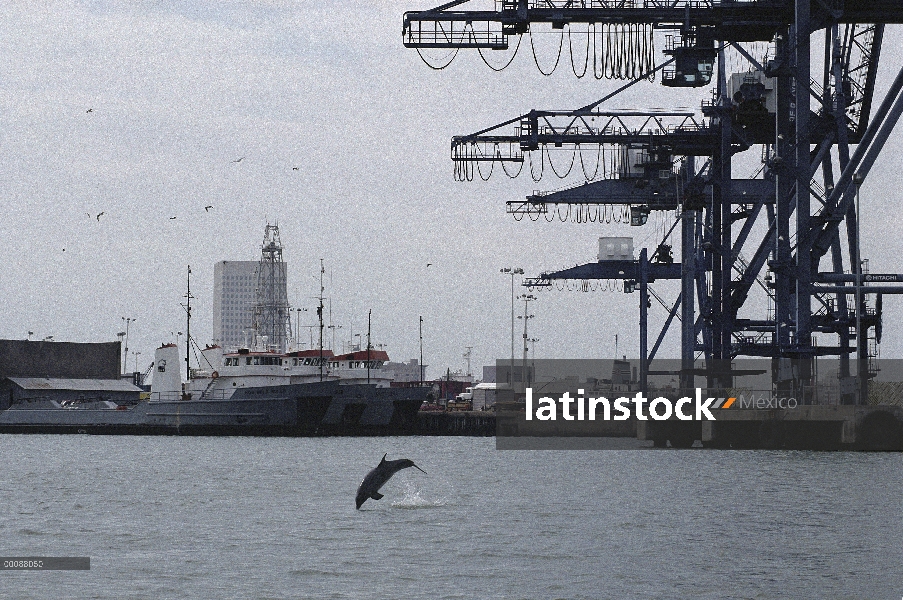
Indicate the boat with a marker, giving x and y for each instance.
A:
(269, 398)
(251, 391)
(260, 366)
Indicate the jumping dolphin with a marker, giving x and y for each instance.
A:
(378, 477)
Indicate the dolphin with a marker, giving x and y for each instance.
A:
(378, 477)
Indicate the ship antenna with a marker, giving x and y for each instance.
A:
(369, 312)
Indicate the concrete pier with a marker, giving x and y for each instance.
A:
(816, 427)
(475, 423)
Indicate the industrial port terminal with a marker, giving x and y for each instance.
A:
(766, 268)
(769, 266)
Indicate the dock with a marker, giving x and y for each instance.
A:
(473, 423)
(815, 427)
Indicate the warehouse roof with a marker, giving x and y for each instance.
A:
(78, 385)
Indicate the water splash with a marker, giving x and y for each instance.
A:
(413, 498)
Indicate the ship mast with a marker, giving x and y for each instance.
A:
(320, 316)
(188, 328)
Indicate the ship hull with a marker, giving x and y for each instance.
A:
(317, 409)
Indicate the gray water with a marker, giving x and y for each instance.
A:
(168, 517)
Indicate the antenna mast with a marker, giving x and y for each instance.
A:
(271, 309)
(187, 307)
(320, 316)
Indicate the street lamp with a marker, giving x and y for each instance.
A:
(533, 359)
(512, 271)
(421, 351)
(125, 357)
(526, 298)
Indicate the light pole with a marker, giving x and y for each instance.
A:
(136, 354)
(421, 351)
(128, 321)
(526, 298)
(121, 336)
(512, 271)
(533, 348)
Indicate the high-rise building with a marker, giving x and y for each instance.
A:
(234, 296)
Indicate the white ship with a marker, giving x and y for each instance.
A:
(261, 367)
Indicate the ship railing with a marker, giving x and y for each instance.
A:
(218, 394)
(165, 396)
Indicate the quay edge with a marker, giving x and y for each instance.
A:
(808, 427)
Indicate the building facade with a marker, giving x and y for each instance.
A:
(405, 372)
(234, 295)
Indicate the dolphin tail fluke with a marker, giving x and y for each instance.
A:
(376, 496)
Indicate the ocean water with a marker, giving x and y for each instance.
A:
(194, 517)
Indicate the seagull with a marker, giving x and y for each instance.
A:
(172, 218)
(295, 168)
(90, 110)
(429, 264)
(99, 215)
(239, 160)
(208, 207)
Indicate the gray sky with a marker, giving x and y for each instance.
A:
(177, 91)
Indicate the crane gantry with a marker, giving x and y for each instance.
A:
(819, 135)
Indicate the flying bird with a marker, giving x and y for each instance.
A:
(239, 160)
(378, 477)
(208, 207)
(429, 264)
(172, 218)
(99, 215)
(295, 168)
(90, 110)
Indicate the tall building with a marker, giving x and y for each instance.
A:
(234, 296)
(251, 298)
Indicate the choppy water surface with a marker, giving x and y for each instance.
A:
(166, 517)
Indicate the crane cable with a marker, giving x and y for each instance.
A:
(568, 172)
(434, 67)
(586, 60)
(557, 59)
(510, 60)
(583, 166)
(541, 165)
